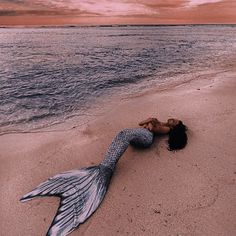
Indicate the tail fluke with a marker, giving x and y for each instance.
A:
(81, 192)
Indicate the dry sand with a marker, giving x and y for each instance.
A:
(153, 191)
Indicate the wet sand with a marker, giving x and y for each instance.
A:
(153, 191)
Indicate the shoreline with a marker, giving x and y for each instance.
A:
(152, 192)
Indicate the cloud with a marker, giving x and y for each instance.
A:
(200, 2)
(89, 7)
(162, 4)
(38, 8)
(94, 7)
(119, 8)
(125, 11)
(38, 13)
(26, 12)
(13, 1)
(106, 7)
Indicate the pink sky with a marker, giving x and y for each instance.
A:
(87, 12)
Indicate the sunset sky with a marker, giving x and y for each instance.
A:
(92, 12)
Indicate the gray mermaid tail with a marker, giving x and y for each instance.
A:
(82, 191)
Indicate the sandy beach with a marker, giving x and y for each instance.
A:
(153, 191)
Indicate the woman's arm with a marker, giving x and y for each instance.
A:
(160, 129)
(145, 122)
(157, 128)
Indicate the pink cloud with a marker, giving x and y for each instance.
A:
(121, 11)
(106, 7)
(200, 2)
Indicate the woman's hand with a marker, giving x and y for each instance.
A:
(150, 126)
(147, 121)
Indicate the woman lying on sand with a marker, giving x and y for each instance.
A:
(82, 191)
(174, 127)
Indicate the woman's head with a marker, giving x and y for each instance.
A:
(172, 122)
(177, 135)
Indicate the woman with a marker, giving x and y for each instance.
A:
(174, 127)
(82, 191)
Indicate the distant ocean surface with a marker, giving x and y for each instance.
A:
(48, 75)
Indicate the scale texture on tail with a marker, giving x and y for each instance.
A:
(81, 192)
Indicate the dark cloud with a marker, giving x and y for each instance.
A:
(7, 13)
(13, 1)
(27, 12)
(164, 3)
(43, 13)
(43, 8)
(26, 4)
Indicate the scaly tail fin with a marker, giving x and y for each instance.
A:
(81, 192)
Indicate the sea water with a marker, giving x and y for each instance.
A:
(48, 75)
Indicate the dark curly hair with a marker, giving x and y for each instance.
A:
(177, 137)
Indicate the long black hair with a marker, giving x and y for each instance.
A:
(177, 137)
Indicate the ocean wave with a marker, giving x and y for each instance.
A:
(51, 73)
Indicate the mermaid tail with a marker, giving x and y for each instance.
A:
(82, 191)
(139, 137)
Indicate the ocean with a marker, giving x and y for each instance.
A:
(48, 75)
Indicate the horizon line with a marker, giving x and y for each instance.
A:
(109, 25)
